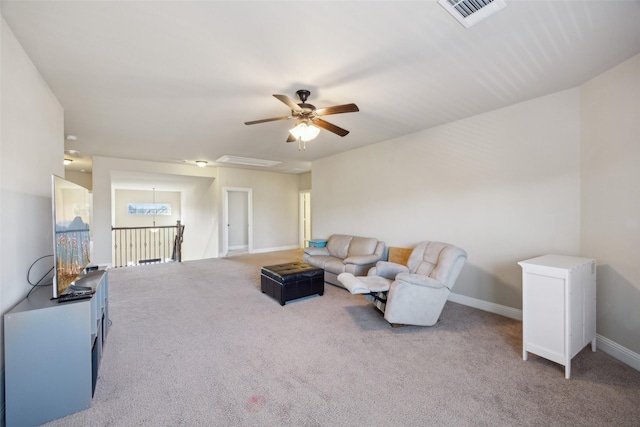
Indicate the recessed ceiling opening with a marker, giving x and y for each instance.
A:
(247, 161)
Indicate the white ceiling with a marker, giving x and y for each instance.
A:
(176, 80)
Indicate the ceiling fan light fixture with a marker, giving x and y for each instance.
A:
(305, 132)
(308, 121)
(201, 163)
(67, 162)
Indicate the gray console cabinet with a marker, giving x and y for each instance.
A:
(52, 353)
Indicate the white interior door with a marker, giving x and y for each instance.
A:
(238, 221)
(237, 214)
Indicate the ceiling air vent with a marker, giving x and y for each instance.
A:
(470, 12)
(247, 161)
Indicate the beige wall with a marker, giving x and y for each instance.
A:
(504, 185)
(558, 174)
(198, 204)
(122, 198)
(31, 149)
(304, 181)
(199, 216)
(611, 197)
(80, 178)
(275, 205)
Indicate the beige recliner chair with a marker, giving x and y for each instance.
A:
(414, 294)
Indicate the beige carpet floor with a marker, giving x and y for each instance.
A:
(198, 344)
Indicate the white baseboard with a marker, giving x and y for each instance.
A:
(617, 351)
(281, 248)
(263, 250)
(612, 348)
(238, 247)
(503, 310)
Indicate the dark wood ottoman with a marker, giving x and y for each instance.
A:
(292, 280)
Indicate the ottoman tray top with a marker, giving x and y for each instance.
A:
(290, 272)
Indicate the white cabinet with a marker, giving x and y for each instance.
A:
(559, 307)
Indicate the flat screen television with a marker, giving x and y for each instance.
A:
(71, 232)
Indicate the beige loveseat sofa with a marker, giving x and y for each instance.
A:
(345, 254)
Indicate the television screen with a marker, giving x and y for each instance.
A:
(71, 243)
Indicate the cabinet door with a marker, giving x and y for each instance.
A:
(545, 316)
(47, 362)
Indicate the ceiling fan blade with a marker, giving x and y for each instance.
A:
(268, 120)
(330, 127)
(346, 108)
(290, 102)
(291, 138)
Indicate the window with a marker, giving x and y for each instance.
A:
(149, 208)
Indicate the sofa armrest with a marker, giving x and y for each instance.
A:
(362, 259)
(419, 280)
(316, 251)
(388, 269)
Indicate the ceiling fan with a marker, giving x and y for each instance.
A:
(307, 117)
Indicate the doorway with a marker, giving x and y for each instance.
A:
(237, 221)
(304, 212)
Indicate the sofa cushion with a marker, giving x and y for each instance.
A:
(333, 265)
(425, 256)
(318, 260)
(362, 246)
(338, 245)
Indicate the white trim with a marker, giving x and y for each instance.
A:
(281, 248)
(301, 223)
(503, 310)
(263, 250)
(608, 346)
(619, 352)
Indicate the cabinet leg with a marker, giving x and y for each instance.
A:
(524, 354)
(567, 370)
(593, 345)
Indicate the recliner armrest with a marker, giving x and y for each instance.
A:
(388, 269)
(316, 251)
(419, 280)
(362, 259)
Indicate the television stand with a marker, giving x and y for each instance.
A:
(52, 353)
(75, 288)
